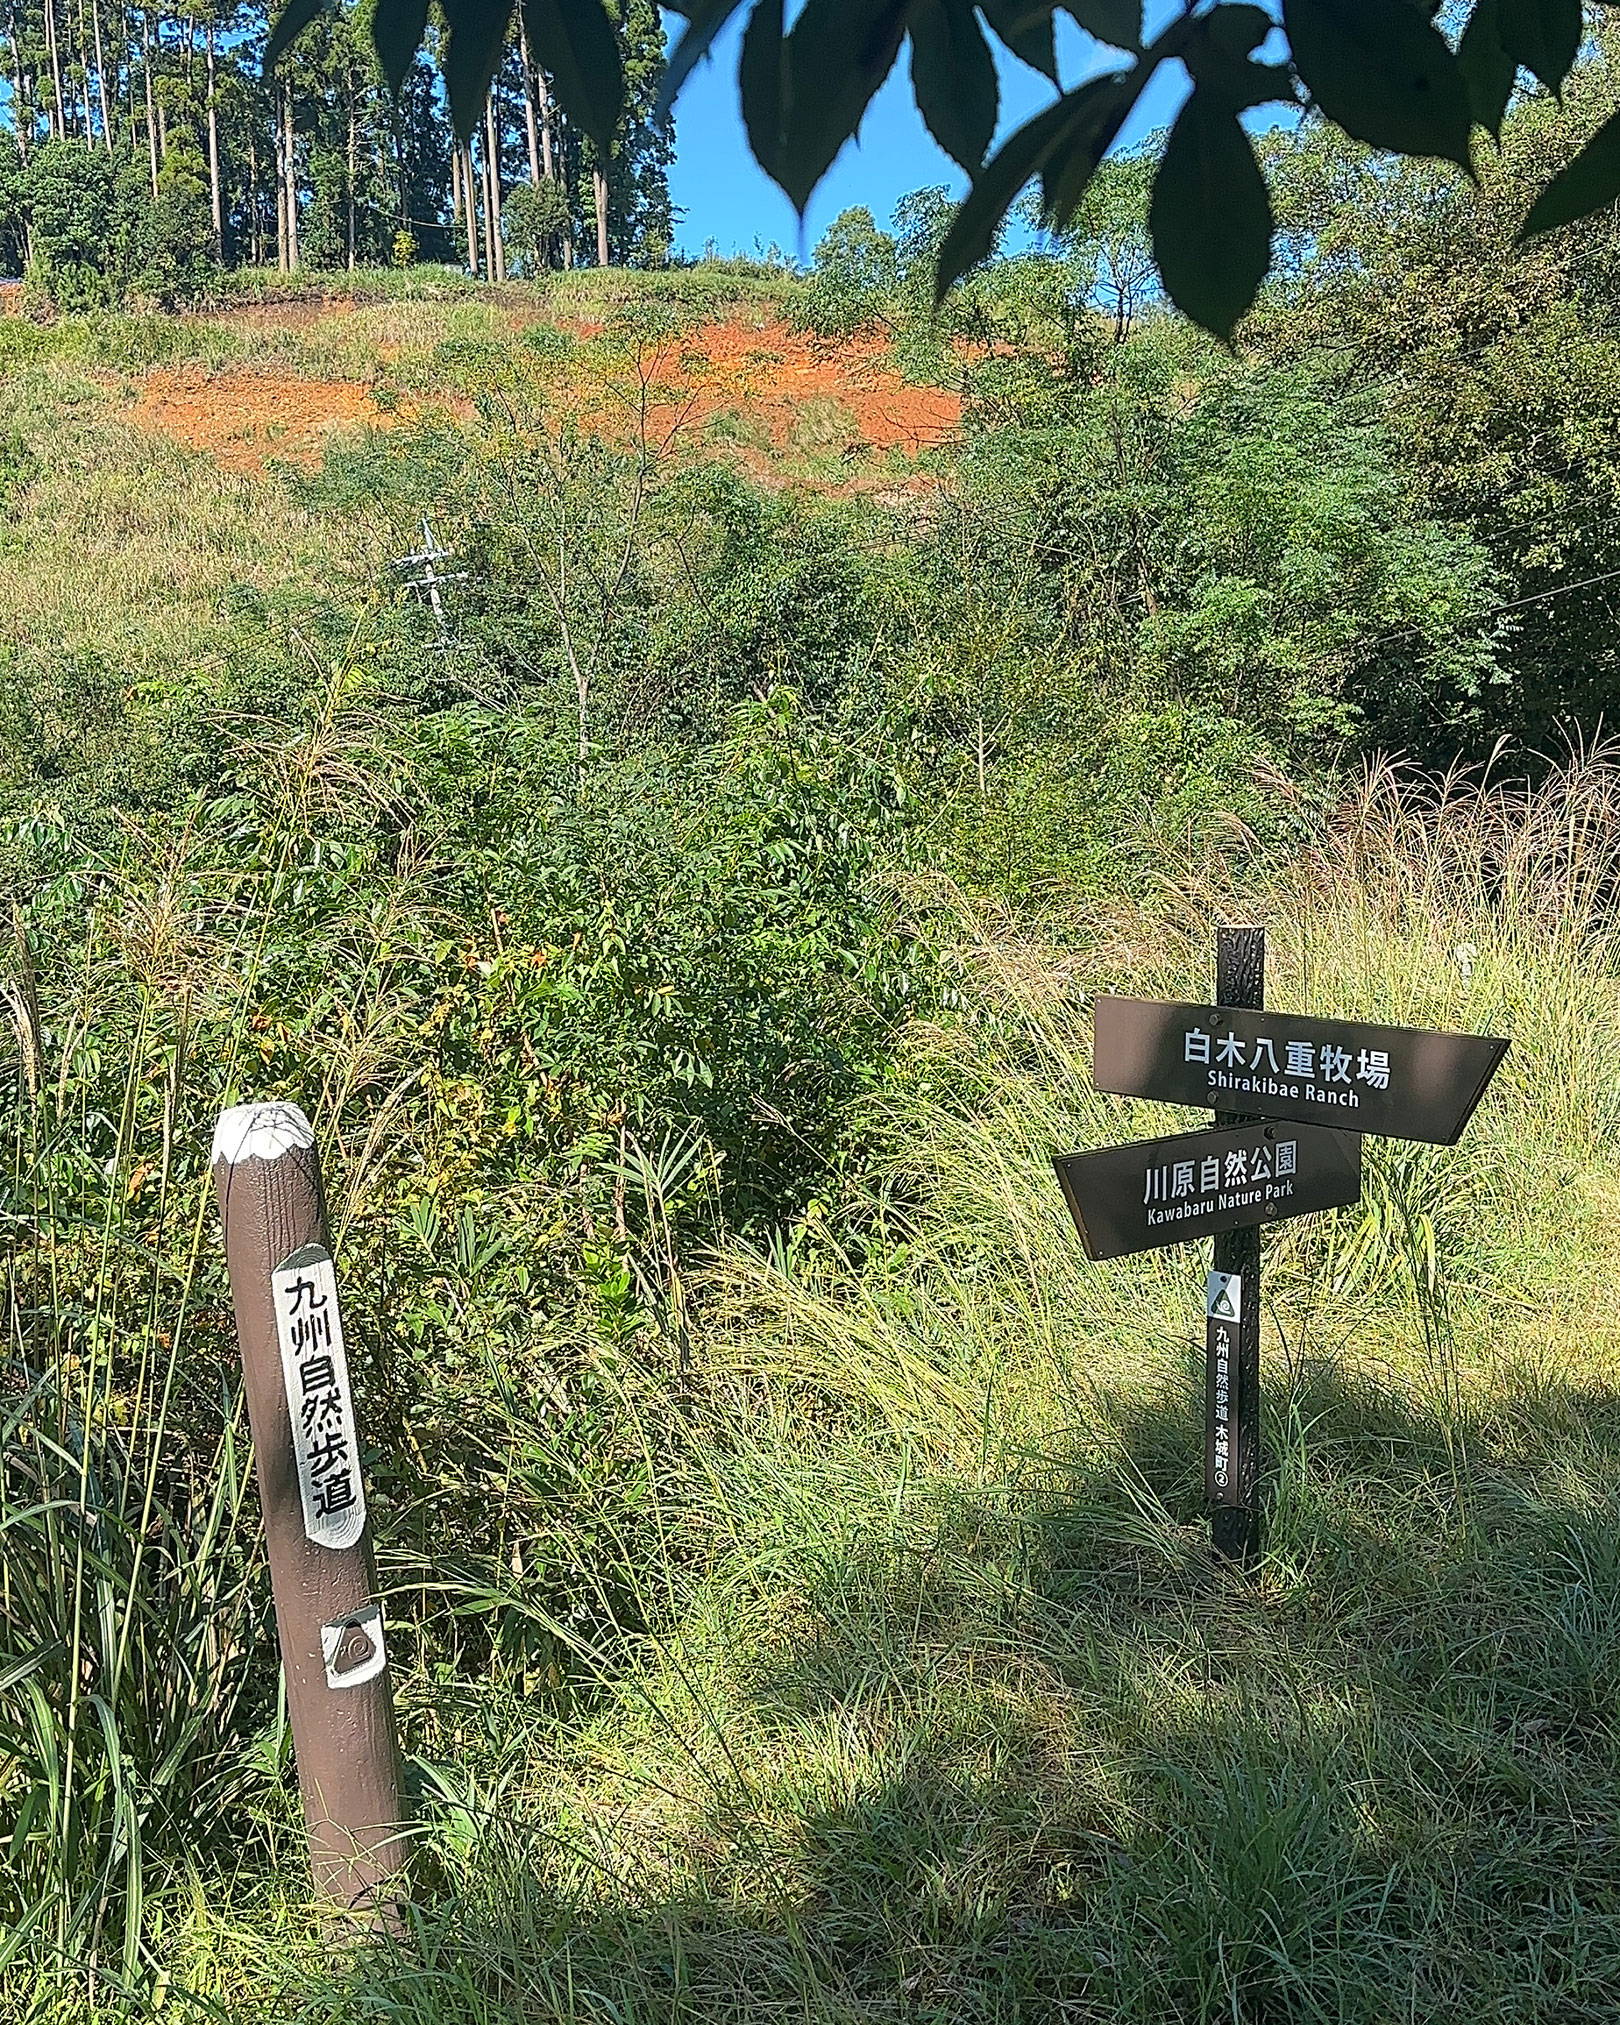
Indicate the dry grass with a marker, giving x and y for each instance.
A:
(918, 1698)
(121, 547)
(941, 1710)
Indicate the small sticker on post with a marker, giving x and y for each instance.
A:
(1223, 1297)
(315, 1372)
(352, 1647)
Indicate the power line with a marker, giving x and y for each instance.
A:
(1498, 611)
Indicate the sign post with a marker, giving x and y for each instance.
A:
(307, 1457)
(1292, 1096)
(1232, 1346)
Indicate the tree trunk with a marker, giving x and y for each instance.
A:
(23, 120)
(530, 121)
(255, 237)
(547, 158)
(162, 108)
(84, 77)
(151, 113)
(402, 179)
(281, 194)
(213, 146)
(290, 162)
(599, 183)
(58, 120)
(492, 199)
(128, 72)
(455, 180)
(469, 194)
(101, 76)
(354, 155)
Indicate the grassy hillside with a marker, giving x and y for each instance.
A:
(797, 1581)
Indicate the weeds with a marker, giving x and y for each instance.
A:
(794, 1548)
(833, 1636)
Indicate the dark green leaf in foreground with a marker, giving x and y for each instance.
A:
(762, 80)
(478, 30)
(1088, 135)
(973, 229)
(1383, 73)
(574, 41)
(1117, 22)
(397, 28)
(954, 78)
(1211, 216)
(1026, 30)
(1488, 70)
(1078, 128)
(704, 20)
(1237, 30)
(1218, 54)
(1543, 35)
(291, 22)
(837, 55)
(1590, 182)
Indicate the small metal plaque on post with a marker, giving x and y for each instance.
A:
(1223, 1297)
(1161, 1191)
(352, 1647)
(1224, 1403)
(1401, 1082)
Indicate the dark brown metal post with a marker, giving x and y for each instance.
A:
(1232, 1360)
(339, 1692)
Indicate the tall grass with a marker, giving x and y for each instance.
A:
(135, 1658)
(856, 1655)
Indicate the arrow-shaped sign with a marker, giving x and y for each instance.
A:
(1163, 1191)
(1401, 1082)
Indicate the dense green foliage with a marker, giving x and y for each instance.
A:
(99, 233)
(1389, 517)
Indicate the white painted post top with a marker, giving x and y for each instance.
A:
(260, 1132)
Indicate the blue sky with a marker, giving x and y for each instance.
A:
(726, 198)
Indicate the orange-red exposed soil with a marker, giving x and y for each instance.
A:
(774, 374)
(246, 419)
(782, 390)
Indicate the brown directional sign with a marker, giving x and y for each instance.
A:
(1162, 1191)
(1397, 1081)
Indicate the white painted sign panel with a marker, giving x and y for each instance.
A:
(316, 1374)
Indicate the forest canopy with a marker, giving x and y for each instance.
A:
(144, 150)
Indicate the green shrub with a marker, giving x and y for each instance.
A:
(71, 202)
(175, 251)
(534, 219)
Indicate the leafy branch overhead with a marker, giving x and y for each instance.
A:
(1380, 69)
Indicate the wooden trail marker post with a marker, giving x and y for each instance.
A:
(340, 1698)
(1292, 1097)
